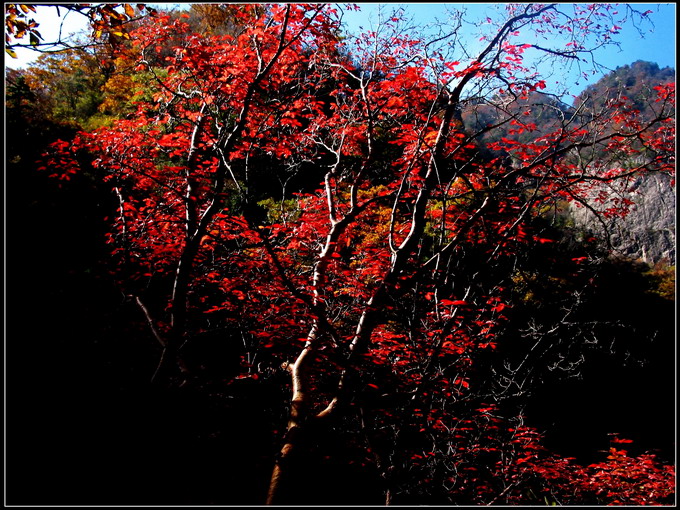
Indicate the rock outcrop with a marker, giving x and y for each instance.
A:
(647, 232)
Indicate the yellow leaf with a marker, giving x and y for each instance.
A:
(11, 52)
(129, 10)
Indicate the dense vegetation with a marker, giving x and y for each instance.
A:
(498, 378)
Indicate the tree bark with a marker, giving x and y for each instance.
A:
(287, 477)
(287, 469)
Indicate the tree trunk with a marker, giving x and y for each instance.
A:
(297, 471)
(288, 482)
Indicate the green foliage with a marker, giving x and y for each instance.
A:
(281, 211)
(30, 124)
(662, 280)
(126, 87)
(18, 95)
(68, 85)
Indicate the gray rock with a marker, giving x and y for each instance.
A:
(647, 232)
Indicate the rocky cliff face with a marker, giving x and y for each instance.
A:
(647, 233)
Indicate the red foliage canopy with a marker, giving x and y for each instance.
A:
(351, 283)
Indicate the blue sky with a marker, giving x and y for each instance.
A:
(654, 42)
(657, 45)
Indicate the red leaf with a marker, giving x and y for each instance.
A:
(621, 440)
(458, 302)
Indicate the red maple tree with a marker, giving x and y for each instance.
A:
(375, 285)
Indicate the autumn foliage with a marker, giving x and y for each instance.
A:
(320, 203)
(108, 22)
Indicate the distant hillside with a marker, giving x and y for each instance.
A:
(635, 81)
(648, 232)
(543, 110)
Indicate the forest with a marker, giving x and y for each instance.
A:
(255, 259)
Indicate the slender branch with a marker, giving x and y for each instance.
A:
(149, 320)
